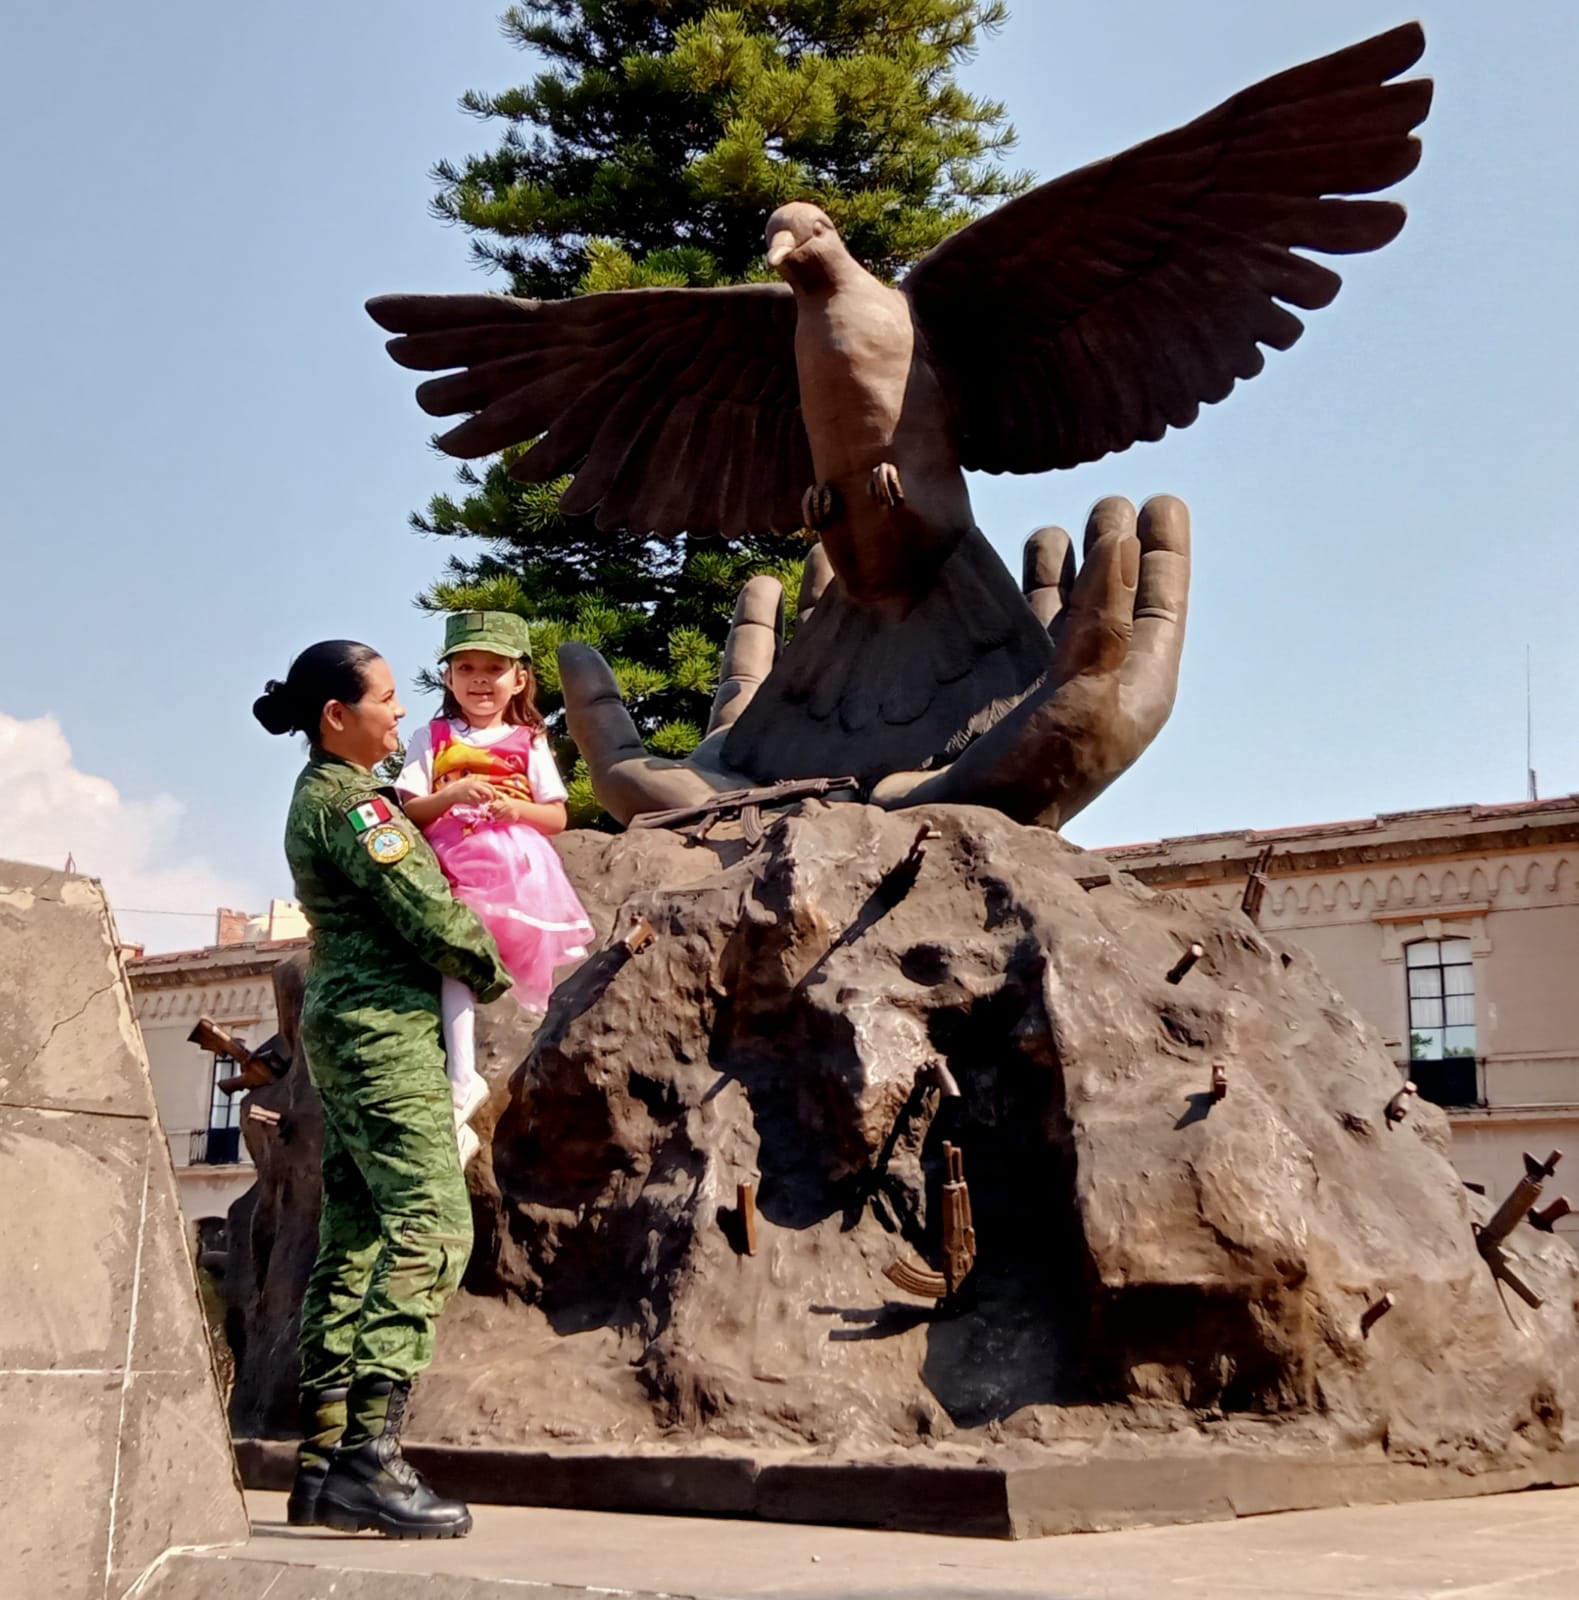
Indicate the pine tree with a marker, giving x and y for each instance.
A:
(651, 150)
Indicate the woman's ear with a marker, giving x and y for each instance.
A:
(333, 715)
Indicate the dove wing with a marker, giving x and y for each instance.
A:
(1111, 304)
(675, 409)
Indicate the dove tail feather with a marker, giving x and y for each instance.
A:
(870, 689)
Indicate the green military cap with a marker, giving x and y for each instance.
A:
(500, 632)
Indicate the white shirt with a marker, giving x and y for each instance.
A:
(416, 777)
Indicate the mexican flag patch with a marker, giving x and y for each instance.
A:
(369, 814)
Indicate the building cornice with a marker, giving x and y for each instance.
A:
(220, 964)
(1468, 1116)
(1400, 839)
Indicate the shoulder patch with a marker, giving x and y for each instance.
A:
(387, 843)
(369, 811)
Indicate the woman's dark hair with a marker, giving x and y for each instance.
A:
(522, 709)
(334, 669)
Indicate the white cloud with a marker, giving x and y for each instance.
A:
(49, 810)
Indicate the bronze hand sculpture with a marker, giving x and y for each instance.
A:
(1092, 312)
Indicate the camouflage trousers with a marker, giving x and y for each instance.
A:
(394, 1231)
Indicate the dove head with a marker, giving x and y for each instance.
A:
(801, 236)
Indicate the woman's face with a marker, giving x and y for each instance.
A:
(369, 730)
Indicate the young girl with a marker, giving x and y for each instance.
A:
(480, 782)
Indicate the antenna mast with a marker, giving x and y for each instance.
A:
(1529, 729)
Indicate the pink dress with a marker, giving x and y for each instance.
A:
(507, 872)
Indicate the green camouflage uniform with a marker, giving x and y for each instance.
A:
(395, 1228)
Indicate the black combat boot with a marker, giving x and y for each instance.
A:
(323, 1424)
(370, 1484)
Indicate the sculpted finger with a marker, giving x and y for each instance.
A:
(625, 778)
(1100, 619)
(1163, 593)
(594, 712)
(1111, 515)
(755, 636)
(1048, 573)
(815, 576)
(1151, 670)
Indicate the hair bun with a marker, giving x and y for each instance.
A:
(273, 708)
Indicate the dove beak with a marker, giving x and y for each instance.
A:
(780, 246)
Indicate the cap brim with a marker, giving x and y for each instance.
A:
(495, 649)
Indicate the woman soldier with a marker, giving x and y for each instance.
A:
(395, 1227)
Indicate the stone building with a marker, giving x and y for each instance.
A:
(1455, 933)
(230, 981)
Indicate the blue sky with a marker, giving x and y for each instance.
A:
(208, 460)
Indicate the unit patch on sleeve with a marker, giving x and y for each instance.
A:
(387, 844)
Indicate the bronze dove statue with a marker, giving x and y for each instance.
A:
(1091, 312)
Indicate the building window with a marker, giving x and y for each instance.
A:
(222, 1141)
(224, 1110)
(1441, 999)
(1441, 976)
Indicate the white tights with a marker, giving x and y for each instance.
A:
(459, 1010)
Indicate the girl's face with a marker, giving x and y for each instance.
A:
(369, 730)
(483, 685)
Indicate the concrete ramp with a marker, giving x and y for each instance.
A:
(115, 1444)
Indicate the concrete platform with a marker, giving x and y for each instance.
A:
(1508, 1547)
(1015, 1497)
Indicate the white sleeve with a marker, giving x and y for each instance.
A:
(547, 786)
(416, 777)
